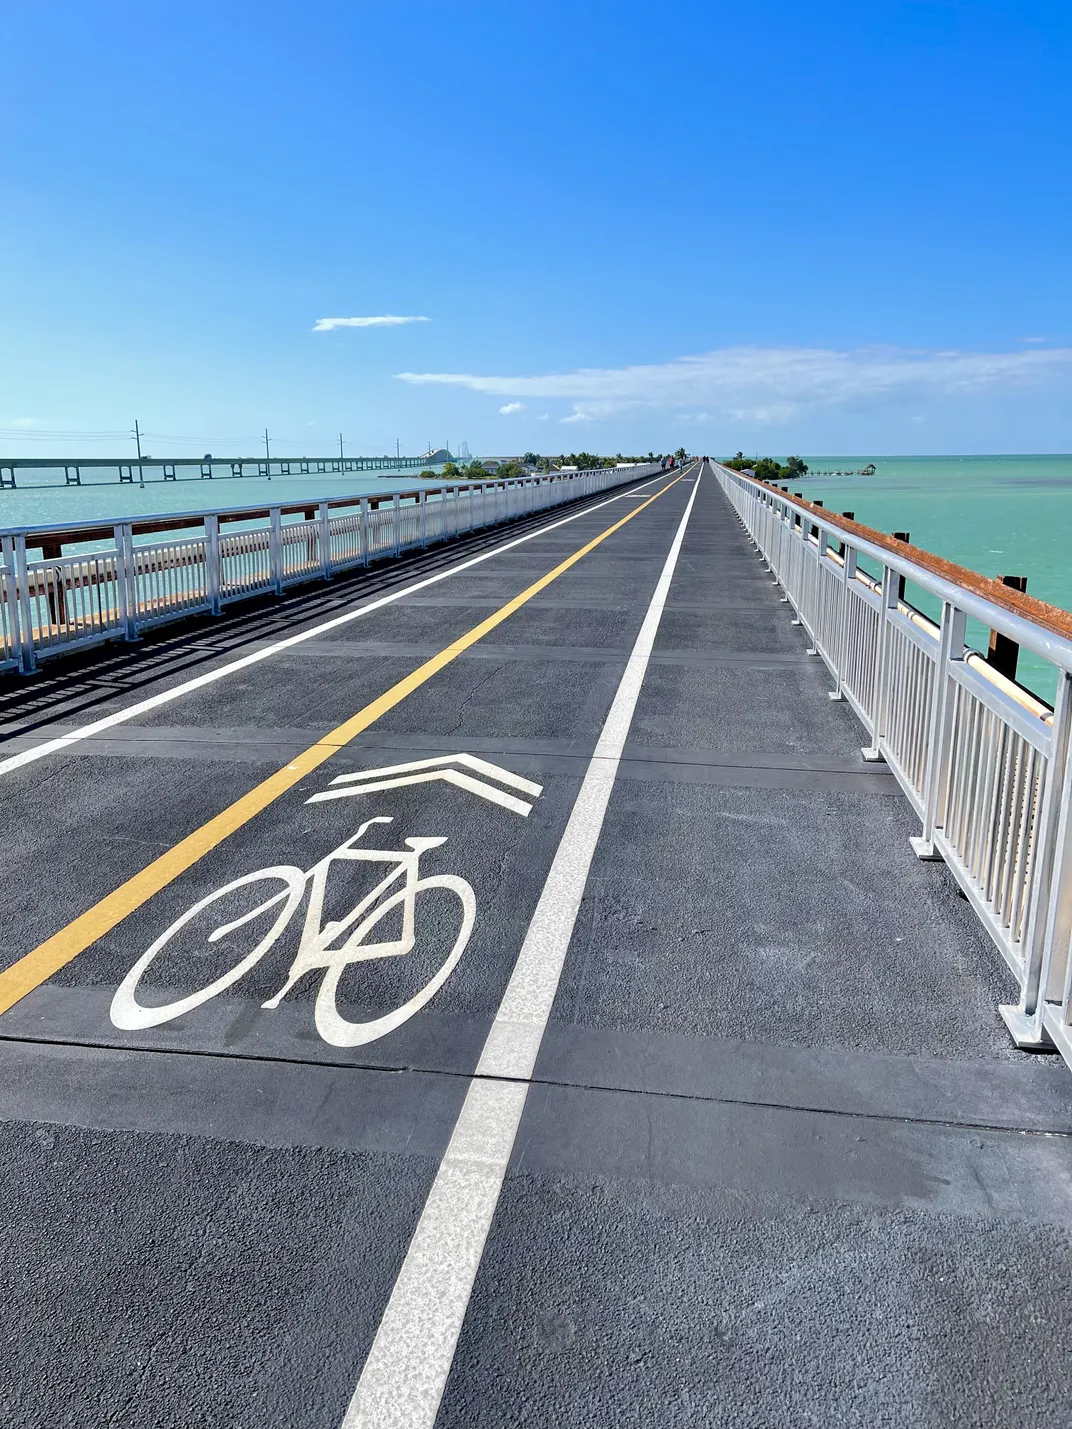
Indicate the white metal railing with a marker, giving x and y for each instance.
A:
(986, 765)
(66, 601)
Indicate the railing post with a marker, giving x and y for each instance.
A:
(940, 726)
(1047, 960)
(888, 601)
(785, 550)
(821, 545)
(27, 658)
(11, 597)
(275, 549)
(764, 542)
(365, 529)
(213, 564)
(422, 519)
(848, 572)
(396, 518)
(323, 526)
(127, 581)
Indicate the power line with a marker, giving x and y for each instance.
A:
(31, 433)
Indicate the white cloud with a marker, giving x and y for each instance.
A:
(773, 385)
(512, 407)
(387, 320)
(1032, 339)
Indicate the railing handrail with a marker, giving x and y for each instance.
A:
(102, 527)
(1043, 628)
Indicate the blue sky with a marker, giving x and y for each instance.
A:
(815, 226)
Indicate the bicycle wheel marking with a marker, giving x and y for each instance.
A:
(320, 949)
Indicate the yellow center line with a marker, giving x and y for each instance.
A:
(47, 958)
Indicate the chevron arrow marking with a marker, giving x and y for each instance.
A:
(426, 771)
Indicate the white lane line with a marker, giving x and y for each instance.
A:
(406, 1371)
(64, 741)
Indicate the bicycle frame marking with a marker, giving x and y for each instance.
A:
(314, 950)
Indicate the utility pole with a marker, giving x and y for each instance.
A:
(340, 446)
(267, 455)
(137, 438)
(397, 452)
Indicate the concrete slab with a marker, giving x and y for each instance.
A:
(164, 1279)
(727, 1297)
(755, 629)
(788, 917)
(747, 710)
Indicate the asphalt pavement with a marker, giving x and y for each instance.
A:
(630, 1070)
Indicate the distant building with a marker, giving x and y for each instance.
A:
(869, 469)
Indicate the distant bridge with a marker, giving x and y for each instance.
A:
(136, 472)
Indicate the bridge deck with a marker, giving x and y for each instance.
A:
(778, 1162)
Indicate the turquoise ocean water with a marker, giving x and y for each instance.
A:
(999, 515)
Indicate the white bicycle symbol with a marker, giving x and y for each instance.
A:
(316, 948)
